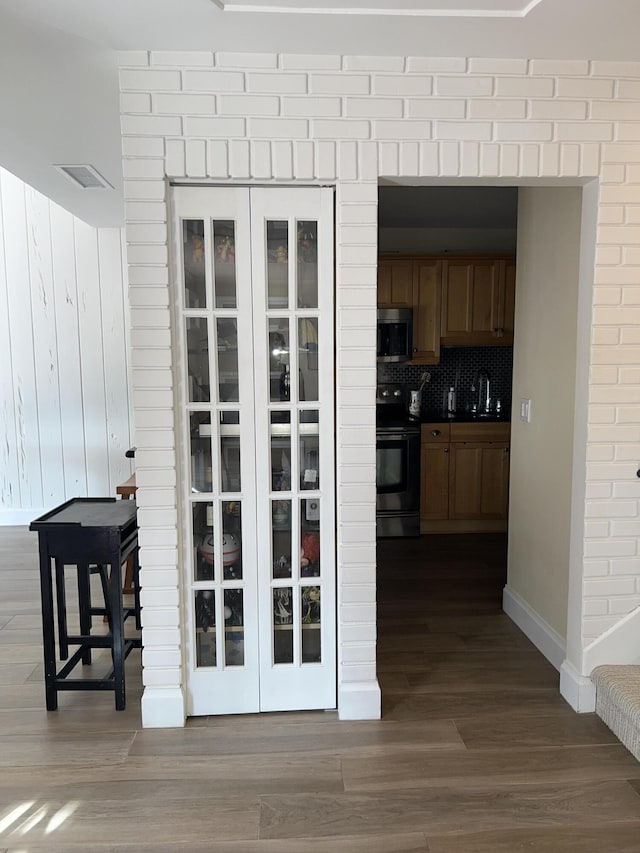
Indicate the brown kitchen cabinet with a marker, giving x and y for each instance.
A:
(464, 476)
(427, 292)
(434, 472)
(415, 283)
(477, 301)
(479, 471)
(395, 283)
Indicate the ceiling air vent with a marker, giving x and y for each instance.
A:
(85, 176)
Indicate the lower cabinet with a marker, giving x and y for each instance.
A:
(434, 472)
(464, 476)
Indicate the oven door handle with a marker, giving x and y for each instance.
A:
(395, 436)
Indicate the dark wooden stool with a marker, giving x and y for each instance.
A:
(94, 535)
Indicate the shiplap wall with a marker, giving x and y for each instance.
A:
(64, 390)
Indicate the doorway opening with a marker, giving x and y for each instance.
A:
(498, 446)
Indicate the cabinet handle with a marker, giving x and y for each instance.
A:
(415, 349)
(446, 450)
(435, 432)
(506, 450)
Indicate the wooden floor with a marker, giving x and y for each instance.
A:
(476, 751)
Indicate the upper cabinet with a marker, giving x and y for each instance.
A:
(477, 301)
(427, 276)
(456, 301)
(395, 283)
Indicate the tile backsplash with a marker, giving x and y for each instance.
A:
(458, 367)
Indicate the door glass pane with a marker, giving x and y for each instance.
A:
(231, 540)
(310, 609)
(233, 628)
(310, 538)
(279, 377)
(224, 263)
(197, 359)
(308, 358)
(307, 267)
(283, 625)
(227, 329)
(201, 465)
(281, 538)
(195, 289)
(203, 541)
(278, 264)
(230, 451)
(205, 605)
(280, 451)
(309, 443)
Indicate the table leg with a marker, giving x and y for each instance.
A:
(84, 607)
(48, 636)
(136, 585)
(61, 607)
(117, 632)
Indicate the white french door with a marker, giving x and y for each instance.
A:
(253, 273)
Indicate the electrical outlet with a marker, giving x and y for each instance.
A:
(525, 410)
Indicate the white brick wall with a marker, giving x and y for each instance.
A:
(280, 118)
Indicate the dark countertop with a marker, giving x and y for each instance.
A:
(463, 418)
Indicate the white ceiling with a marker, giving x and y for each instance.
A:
(596, 29)
(58, 77)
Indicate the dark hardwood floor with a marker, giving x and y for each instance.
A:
(476, 752)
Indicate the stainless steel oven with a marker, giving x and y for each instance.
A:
(397, 472)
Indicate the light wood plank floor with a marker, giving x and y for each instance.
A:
(476, 752)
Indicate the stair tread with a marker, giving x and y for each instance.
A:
(618, 702)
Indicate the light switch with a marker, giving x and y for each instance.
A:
(525, 410)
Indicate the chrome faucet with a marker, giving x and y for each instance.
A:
(482, 385)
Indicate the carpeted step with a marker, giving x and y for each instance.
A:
(618, 702)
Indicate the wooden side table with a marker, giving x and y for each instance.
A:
(85, 532)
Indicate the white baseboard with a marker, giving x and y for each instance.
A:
(619, 645)
(19, 517)
(359, 701)
(542, 635)
(163, 708)
(576, 689)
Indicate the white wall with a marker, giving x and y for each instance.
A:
(544, 371)
(65, 414)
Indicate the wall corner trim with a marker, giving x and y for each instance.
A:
(163, 707)
(360, 701)
(545, 638)
(619, 645)
(577, 690)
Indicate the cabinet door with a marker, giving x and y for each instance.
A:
(427, 290)
(494, 496)
(479, 480)
(465, 480)
(294, 435)
(507, 304)
(434, 482)
(254, 330)
(395, 284)
(471, 300)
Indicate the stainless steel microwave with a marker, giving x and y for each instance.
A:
(395, 334)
